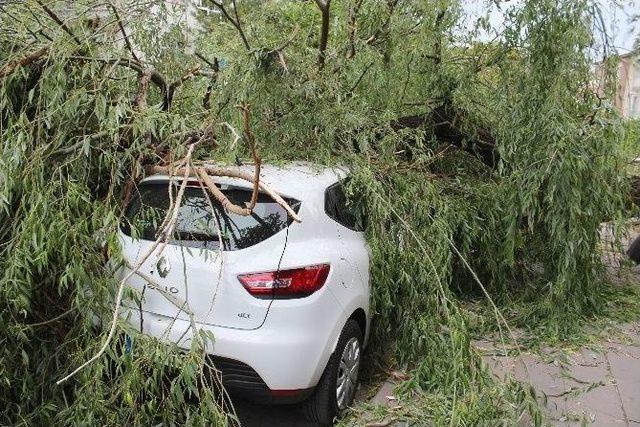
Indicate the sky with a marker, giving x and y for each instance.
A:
(616, 14)
(620, 26)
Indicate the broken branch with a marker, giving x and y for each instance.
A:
(235, 22)
(324, 6)
(58, 21)
(27, 60)
(155, 78)
(174, 85)
(124, 33)
(352, 27)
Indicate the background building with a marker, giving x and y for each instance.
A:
(627, 99)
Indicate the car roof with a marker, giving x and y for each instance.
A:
(300, 180)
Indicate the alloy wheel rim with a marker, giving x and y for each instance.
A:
(348, 373)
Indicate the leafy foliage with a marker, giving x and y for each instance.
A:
(78, 124)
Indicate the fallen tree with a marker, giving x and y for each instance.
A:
(485, 166)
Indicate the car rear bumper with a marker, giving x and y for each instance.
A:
(243, 381)
(288, 353)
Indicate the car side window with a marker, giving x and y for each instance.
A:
(338, 208)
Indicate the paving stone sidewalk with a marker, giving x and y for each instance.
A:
(599, 387)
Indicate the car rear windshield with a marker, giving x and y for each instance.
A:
(197, 224)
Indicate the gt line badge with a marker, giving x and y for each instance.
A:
(163, 267)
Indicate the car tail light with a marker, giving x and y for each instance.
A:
(294, 283)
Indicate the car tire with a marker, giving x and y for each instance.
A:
(323, 406)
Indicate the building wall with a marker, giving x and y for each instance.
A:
(628, 94)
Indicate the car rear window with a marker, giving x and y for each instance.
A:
(197, 224)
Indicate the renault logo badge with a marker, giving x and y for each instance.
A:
(163, 267)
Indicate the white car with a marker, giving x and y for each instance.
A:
(287, 302)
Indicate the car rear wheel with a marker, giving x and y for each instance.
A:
(337, 386)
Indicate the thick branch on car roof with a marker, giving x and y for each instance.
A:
(201, 173)
(231, 172)
(219, 195)
(204, 172)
